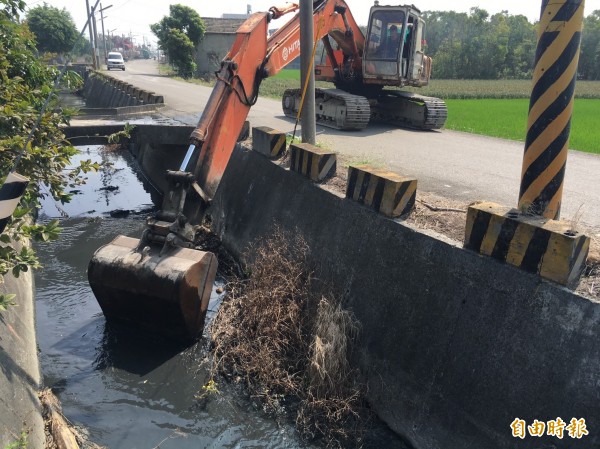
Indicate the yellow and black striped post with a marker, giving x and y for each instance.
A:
(268, 141)
(551, 107)
(312, 162)
(387, 192)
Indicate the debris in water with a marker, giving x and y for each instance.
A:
(119, 213)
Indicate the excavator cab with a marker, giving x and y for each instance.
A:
(393, 53)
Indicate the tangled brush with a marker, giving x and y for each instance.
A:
(288, 346)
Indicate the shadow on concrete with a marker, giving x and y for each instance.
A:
(11, 370)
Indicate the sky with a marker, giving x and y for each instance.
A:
(133, 17)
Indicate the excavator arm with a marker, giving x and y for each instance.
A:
(162, 281)
(252, 58)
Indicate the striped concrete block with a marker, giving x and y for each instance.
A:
(312, 162)
(10, 194)
(268, 141)
(550, 248)
(387, 192)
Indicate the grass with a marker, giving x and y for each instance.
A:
(498, 89)
(21, 443)
(275, 86)
(451, 89)
(508, 119)
(289, 74)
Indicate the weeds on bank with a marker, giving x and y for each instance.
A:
(298, 139)
(332, 403)
(289, 140)
(6, 300)
(261, 333)
(290, 347)
(21, 443)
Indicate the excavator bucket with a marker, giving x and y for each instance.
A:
(167, 294)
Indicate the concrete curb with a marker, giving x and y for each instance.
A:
(118, 111)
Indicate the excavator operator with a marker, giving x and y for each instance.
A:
(391, 49)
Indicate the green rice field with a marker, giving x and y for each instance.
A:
(492, 108)
(500, 89)
(464, 89)
(508, 119)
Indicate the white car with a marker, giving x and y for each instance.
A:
(115, 61)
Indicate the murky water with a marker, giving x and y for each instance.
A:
(129, 389)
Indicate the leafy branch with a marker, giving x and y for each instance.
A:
(31, 137)
(125, 133)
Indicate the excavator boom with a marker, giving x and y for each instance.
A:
(162, 282)
(135, 280)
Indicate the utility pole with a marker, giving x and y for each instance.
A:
(96, 51)
(551, 107)
(89, 14)
(307, 74)
(102, 20)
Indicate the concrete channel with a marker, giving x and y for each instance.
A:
(455, 347)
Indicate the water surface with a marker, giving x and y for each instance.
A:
(130, 389)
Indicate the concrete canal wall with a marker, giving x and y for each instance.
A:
(454, 346)
(20, 376)
(107, 95)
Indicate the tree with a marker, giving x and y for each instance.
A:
(83, 48)
(477, 46)
(179, 35)
(589, 59)
(522, 42)
(54, 29)
(24, 86)
(12, 8)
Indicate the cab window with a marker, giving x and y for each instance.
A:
(385, 31)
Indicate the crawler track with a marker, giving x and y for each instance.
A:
(334, 108)
(409, 110)
(338, 109)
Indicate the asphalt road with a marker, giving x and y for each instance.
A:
(460, 166)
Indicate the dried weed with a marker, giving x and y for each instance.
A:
(266, 336)
(333, 406)
(261, 332)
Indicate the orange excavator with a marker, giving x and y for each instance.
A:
(360, 67)
(162, 281)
